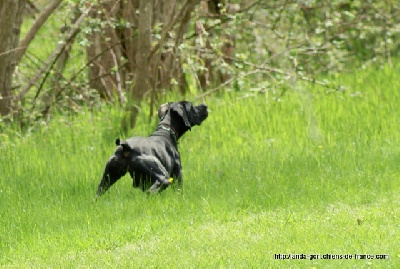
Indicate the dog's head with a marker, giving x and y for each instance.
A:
(182, 115)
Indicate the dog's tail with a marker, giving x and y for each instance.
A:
(125, 146)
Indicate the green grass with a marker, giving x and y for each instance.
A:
(314, 173)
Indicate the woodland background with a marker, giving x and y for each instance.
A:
(132, 51)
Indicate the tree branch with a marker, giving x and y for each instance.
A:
(189, 4)
(263, 69)
(225, 18)
(53, 58)
(282, 72)
(35, 28)
(201, 96)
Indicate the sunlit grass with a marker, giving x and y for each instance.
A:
(313, 173)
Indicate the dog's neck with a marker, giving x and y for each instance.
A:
(172, 124)
(170, 130)
(165, 129)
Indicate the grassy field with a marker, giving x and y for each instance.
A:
(314, 173)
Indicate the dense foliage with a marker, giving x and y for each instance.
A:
(250, 46)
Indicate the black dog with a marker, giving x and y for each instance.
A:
(153, 160)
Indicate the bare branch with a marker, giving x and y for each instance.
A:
(92, 60)
(187, 7)
(201, 96)
(35, 28)
(224, 18)
(289, 74)
(53, 57)
(32, 6)
(118, 77)
(262, 69)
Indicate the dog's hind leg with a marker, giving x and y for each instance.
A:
(151, 166)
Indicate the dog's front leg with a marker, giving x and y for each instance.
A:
(180, 181)
(177, 173)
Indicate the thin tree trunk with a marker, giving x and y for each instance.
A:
(143, 51)
(10, 25)
(142, 84)
(170, 68)
(210, 75)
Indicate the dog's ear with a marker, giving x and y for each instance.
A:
(181, 110)
(162, 110)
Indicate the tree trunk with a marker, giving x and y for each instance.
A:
(207, 53)
(128, 58)
(143, 50)
(169, 71)
(10, 25)
(142, 83)
(101, 40)
(113, 47)
(159, 66)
